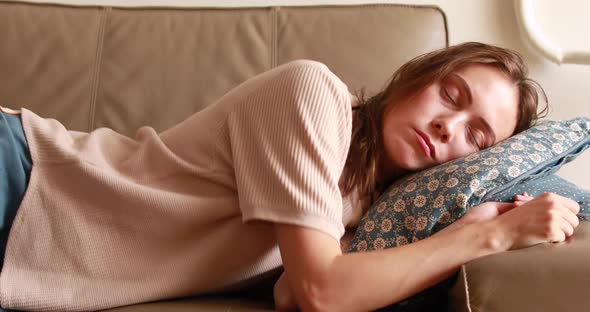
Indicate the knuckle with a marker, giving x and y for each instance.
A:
(547, 232)
(548, 195)
(576, 207)
(549, 215)
(549, 200)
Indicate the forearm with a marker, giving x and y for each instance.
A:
(368, 280)
(283, 296)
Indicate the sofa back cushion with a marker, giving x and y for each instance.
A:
(124, 68)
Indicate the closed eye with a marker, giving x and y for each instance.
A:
(473, 140)
(448, 96)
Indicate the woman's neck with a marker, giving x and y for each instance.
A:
(388, 174)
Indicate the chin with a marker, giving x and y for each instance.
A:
(413, 168)
(404, 159)
(408, 164)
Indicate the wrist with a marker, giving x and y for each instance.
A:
(489, 236)
(494, 238)
(470, 241)
(460, 223)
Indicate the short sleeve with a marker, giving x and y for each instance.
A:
(289, 138)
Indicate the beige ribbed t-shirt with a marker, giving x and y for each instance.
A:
(109, 220)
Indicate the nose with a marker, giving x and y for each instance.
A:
(446, 127)
(442, 131)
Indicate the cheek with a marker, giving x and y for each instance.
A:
(414, 105)
(426, 100)
(460, 150)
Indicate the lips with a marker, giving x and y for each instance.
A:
(425, 144)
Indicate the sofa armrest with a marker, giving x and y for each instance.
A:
(545, 277)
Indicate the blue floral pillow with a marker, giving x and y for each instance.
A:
(423, 203)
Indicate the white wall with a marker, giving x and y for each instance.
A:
(490, 21)
(565, 23)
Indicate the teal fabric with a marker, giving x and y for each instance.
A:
(548, 183)
(15, 166)
(423, 203)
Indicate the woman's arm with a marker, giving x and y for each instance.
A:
(321, 278)
(283, 296)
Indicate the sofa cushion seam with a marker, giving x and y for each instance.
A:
(466, 282)
(273, 42)
(97, 65)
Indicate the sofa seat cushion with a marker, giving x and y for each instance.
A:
(209, 304)
(542, 278)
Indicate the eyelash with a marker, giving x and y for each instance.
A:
(449, 97)
(471, 135)
(474, 140)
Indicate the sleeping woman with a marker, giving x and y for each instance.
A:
(271, 175)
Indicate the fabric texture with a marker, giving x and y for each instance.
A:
(127, 67)
(127, 220)
(421, 204)
(553, 183)
(547, 277)
(15, 168)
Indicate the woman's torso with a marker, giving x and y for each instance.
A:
(113, 220)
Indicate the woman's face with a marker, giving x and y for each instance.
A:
(469, 110)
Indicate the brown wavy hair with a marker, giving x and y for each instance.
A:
(361, 169)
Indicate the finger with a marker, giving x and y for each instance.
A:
(524, 194)
(503, 207)
(523, 198)
(570, 205)
(559, 231)
(519, 201)
(570, 218)
(565, 202)
(573, 206)
(566, 227)
(558, 237)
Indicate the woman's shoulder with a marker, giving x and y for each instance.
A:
(313, 87)
(313, 71)
(296, 78)
(298, 63)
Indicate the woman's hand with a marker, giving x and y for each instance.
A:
(489, 210)
(522, 199)
(545, 218)
(486, 211)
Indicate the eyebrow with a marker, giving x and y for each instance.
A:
(487, 128)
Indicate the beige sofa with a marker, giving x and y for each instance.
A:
(123, 68)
